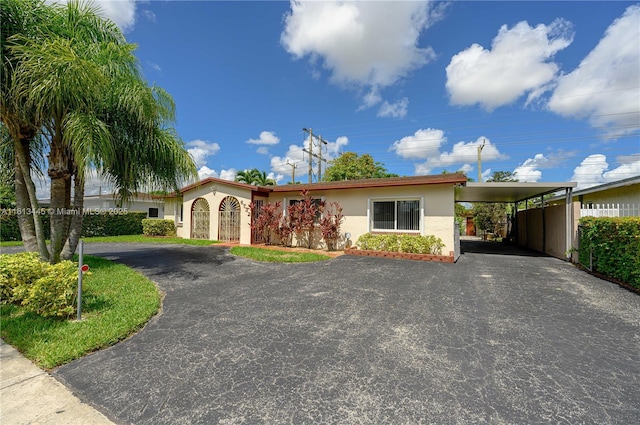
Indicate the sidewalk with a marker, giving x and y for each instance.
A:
(29, 395)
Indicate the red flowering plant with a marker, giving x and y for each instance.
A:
(303, 215)
(330, 225)
(265, 220)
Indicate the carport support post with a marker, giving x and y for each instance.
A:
(568, 222)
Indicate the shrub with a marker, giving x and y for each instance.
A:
(265, 220)
(330, 224)
(615, 246)
(93, 224)
(401, 243)
(110, 224)
(18, 270)
(54, 294)
(41, 288)
(158, 227)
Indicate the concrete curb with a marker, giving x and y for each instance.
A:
(30, 395)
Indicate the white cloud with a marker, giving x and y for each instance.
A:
(263, 150)
(121, 12)
(366, 44)
(421, 145)
(200, 150)
(461, 153)
(394, 110)
(205, 172)
(372, 98)
(605, 86)
(266, 138)
(229, 174)
(529, 170)
(295, 156)
(518, 62)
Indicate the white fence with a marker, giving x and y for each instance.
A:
(610, 210)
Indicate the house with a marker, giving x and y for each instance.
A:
(422, 205)
(615, 199)
(152, 205)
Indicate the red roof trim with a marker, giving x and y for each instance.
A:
(454, 178)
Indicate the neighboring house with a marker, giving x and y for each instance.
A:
(152, 205)
(615, 199)
(421, 205)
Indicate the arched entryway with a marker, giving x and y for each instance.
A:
(200, 219)
(229, 220)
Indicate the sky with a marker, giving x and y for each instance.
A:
(550, 89)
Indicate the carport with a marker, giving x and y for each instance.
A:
(532, 230)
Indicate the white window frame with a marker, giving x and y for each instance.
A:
(370, 221)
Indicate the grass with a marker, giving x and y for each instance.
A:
(117, 301)
(277, 256)
(134, 239)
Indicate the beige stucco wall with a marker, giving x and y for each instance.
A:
(618, 195)
(172, 212)
(214, 193)
(437, 202)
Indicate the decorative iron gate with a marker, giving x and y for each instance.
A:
(200, 219)
(229, 220)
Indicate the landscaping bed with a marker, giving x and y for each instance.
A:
(400, 255)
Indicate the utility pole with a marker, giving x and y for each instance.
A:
(293, 171)
(480, 161)
(310, 152)
(322, 141)
(313, 155)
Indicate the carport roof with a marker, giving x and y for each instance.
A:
(507, 191)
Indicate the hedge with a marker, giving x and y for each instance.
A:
(158, 227)
(614, 246)
(93, 224)
(414, 244)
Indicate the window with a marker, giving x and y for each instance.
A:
(315, 201)
(153, 213)
(396, 215)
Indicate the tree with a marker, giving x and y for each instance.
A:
(491, 217)
(254, 177)
(75, 80)
(502, 176)
(350, 166)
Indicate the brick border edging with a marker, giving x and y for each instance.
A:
(400, 255)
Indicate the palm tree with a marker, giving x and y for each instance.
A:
(21, 18)
(254, 177)
(246, 176)
(81, 82)
(261, 179)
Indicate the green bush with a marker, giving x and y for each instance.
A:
(93, 224)
(401, 243)
(615, 244)
(54, 294)
(110, 224)
(158, 227)
(41, 288)
(18, 270)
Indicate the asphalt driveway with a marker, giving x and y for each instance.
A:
(491, 339)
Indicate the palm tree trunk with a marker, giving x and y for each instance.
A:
(25, 221)
(75, 230)
(60, 179)
(22, 158)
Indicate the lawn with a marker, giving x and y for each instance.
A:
(117, 301)
(277, 256)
